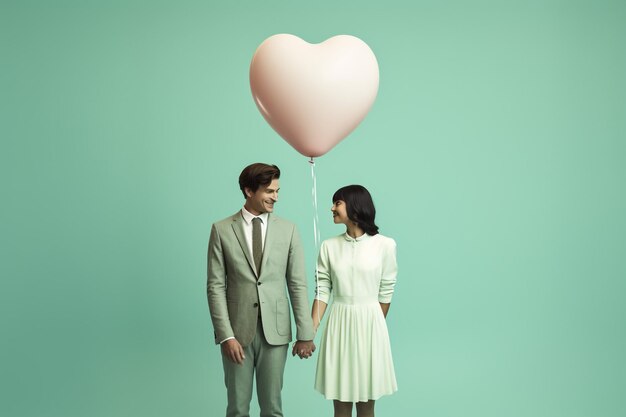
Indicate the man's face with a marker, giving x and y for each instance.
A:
(262, 200)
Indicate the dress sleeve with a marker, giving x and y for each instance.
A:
(389, 273)
(324, 285)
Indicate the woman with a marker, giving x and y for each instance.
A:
(359, 269)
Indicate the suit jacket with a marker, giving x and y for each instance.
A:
(235, 292)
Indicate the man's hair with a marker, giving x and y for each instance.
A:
(359, 207)
(255, 175)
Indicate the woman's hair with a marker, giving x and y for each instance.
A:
(256, 175)
(359, 207)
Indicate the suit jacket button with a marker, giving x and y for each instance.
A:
(255, 305)
(258, 283)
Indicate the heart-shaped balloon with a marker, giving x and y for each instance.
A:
(314, 95)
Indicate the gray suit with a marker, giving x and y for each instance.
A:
(236, 294)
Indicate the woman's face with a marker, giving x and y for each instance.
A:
(340, 213)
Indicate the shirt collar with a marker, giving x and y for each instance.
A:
(247, 216)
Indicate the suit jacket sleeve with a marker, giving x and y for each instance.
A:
(298, 293)
(216, 288)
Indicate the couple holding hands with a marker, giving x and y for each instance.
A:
(256, 271)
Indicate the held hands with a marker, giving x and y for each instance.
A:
(303, 348)
(233, 351)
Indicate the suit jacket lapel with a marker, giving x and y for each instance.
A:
(269, 240)
(238, 229)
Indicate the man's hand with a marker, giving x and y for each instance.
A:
(233, 351)
(303, 348)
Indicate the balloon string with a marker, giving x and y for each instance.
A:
(316, 232)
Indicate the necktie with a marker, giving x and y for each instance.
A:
(257, 244)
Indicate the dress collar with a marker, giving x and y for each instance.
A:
(349, 238)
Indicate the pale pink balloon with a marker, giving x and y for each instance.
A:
(314, 95)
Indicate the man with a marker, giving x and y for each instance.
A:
(254, 259)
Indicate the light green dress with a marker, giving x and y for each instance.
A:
(354, 361)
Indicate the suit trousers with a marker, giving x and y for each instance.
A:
(268, 363)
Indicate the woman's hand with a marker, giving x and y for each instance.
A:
(303, 348)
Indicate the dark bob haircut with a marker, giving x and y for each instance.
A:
(255, 175)
(359, 207)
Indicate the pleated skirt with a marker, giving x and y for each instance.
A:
(354, 362)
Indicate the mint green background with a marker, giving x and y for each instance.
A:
(495, 152)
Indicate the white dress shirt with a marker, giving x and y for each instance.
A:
(247, 227)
